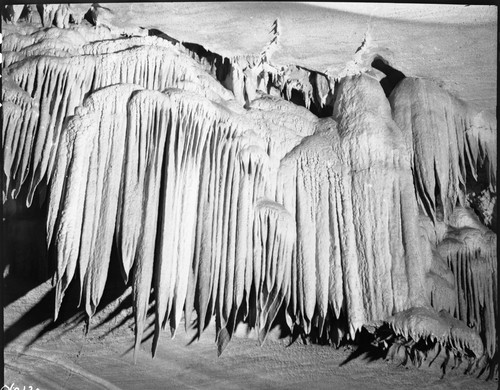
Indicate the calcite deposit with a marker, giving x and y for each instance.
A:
(236, 190)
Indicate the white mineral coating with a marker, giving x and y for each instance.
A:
(425, 323)
(74, 77)
(71, 79)
(471, 252)
(17, 142)
(440, 284)
(274, 241)
(225, 197)
(90, 154)
(78, 11)
(49, 13)
(116, 45)
(71, 39)
(16, 41)
(350, 192)
(445, 136)
(20, 117)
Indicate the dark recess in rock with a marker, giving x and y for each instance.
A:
(392, 76)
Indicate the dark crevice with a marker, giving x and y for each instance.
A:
(392, 76)
(89, 18)
(297, 98)
(154, 32)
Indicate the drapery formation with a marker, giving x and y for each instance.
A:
(446, 138)
(59, 84)
(470, 250)
(234, 209)
(349, 189)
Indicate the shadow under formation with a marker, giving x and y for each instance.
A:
(29, 265)
(392, 76)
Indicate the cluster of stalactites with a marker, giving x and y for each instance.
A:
(249, 76)
(349, 190)
(421, 323)
(20, 115)
(60, 15)
(274, 236)
(440, 281)
(84, 191)
(58, 85)
(470, 250)
(316, 88)
(446, 138)
(178, 182)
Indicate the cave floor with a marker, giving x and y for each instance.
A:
(48, 355)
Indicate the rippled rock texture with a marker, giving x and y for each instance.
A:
(238, 191)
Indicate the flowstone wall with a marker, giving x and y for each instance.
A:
(230, 199)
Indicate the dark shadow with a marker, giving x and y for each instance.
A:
(70, 316)
(157, 33)
(220, 66)
(297, 98)
(89, 18)
(365, 348)
(392, 76)
(474, 187)
(25, 251)
(318, 110)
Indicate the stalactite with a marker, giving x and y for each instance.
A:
(234, 204)
(440, 282)
(20, 119)
(212, 176)
(349, 188)
(470, 250)
(60, 84)
(11, 13)
(17, 145)
(274, 237)
(197, 134)
(445, 137)
(437, 327)
(83, 199)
